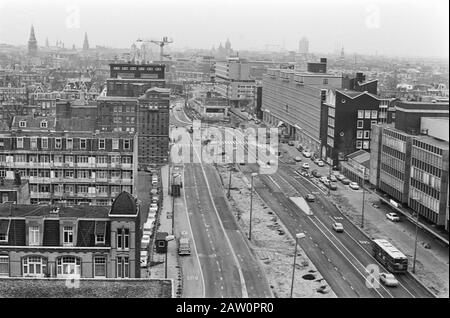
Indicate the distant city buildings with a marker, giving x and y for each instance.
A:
(303, 46)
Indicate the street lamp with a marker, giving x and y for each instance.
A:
(254, 174)
(417, 234)
(363, 197)
(297, 237)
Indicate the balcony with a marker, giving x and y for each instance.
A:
(39, 180)
(40, 195)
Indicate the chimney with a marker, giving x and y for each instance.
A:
(17, 179)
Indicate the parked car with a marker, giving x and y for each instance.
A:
(316, 174)
(298, 158)
(332, 178)
(354, 185)
(320, 163)
(323, 179)
(326, 182)
(338, 227)
(394, 217)
(388, 280)
(332, 186)
(340, 177)
(345, 181)
(310, 197)
(291, 143)
(315, 160)
(305, 165)
(306, 154)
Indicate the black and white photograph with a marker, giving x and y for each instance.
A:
(203, 151)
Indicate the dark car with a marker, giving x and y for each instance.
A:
(310, 198)
(345, 181)
(332, 186)
(316, 173)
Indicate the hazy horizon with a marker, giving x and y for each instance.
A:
(413, 28)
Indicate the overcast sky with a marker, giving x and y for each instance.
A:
(390, 27)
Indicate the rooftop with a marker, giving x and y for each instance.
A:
(124, 204)
(77, 211)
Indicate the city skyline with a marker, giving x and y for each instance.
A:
(363, 27)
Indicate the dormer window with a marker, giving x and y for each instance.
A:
(22, 124)
(44, 124)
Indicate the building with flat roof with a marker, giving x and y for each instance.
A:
(89, 241)
(292, 100)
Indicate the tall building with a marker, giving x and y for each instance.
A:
(347, 116)
(411, 161)
(92, 242)
(32, 43)
(86, 42)
(303, 46)
(292, 100)
(233, 81)
(136, 101)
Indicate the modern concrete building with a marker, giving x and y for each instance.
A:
(292, 100)
(233, 81)
(413, 169)
(91, 242)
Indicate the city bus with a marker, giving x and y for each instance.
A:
(389, 256)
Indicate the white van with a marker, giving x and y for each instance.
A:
(144, 258)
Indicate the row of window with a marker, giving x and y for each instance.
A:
(426, 178)
(114, 159)
(362, 144)
(71, 189)
(426, 156)
(367, 114)
(360, 134)
(425, 166)
(360, 123)
(36, 266)
(44, 143)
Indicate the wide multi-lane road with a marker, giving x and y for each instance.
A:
(228, 265)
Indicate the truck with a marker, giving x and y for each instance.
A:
(184, 245)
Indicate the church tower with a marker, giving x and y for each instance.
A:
(85, 43)
(32, 43)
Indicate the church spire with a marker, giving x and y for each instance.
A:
(32, 43)
(86, 42)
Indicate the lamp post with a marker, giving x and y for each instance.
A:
(254, 174)
(415, 241)
(229, 184)
(297, 237)
(363, 197)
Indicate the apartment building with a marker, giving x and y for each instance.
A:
(89, 241)
(292, 100)
(68, 165)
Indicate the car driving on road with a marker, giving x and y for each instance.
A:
(310, 197)
(298, 159)
(354, 186)
(338, 227)
(393, 217)
(388, 280)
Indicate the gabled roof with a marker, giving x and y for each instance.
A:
(124, 204)
(355, 94)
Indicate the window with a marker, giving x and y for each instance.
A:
(4, 265)
(22, 124)
(19, 142)
(82, 159)
(367, 114)
(101, 144)
(69, 159)
(127, 144)
(68, 235)
(99, 239)
(44, 143)
(115, 144)
(115, 174)
(33, 235)
(58, 143)
(359, 134)
(123, 268)
(360, 114)
(360, 124)
(358, 144)
(374, 114)
(34, 266)
(44, 124)
(33, 143)
(69, 143)
(366, 134)
(325, 81)
(82, 143)
(123, 237)
(68, 173)
(99, 266)
(115, 159)
(68, 265)
(372, 122)
(366, 144)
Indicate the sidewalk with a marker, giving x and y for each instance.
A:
(165, 225)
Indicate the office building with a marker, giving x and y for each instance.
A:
(292, 100)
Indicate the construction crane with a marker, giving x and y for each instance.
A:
(161, 44)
